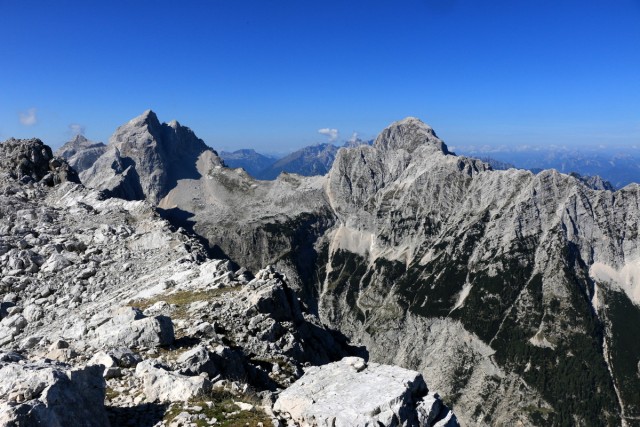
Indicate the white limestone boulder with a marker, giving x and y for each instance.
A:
(160, 385)
(128, 327)
(354, 393)
(46, 394)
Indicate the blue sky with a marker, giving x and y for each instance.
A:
(269, 74)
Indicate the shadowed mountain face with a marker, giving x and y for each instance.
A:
(146, 158)
(513, 293)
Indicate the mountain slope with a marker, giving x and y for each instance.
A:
(110, 316)
(504, 255)
(511, 292)
(308, 161)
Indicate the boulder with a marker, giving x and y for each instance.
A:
(109, 363)
(31, 160)
(45, 394)
(166, 386)
(124, 357)
(354, 393)
(130, 328)
(197, 361)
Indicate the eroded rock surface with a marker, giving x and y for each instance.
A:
(30, 160)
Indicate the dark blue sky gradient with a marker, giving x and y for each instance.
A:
(268, 74)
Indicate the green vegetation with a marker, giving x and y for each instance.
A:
(540, 415)
(220, 405)
(181, 299)
(624, 320)
(294, 241)
(346, 276)
(507, 305)
(431, 290)
(572, 376)
(111, 393)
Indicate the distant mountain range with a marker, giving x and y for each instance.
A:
(308, 161)
(620, 166)
(513, 293)
(248, 159)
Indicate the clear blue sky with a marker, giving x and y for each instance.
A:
(268, 74)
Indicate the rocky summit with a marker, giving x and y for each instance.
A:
(407, 286)
(145, 158)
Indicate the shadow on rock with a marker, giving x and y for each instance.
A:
(143, 415)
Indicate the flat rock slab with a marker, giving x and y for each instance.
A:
(352, 393)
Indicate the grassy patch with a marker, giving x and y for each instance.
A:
(220, 405)
(182, 299)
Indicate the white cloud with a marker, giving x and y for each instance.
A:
(28, 118)
(332, 134)
(354, 137)
(76, 129)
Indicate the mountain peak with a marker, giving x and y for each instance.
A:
(153, 155)
(148, 118)
(408, 134)
(79, 139)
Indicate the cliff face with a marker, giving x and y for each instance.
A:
(111, 316)
(507, 279)
(514, 294)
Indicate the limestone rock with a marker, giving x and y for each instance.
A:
(457, 268)
(166, 386)
(146, 158)
(408, 134)
(128, 327)
(197, 361)
(354, 393)
(31, 159)
(81, 153)
(51, 395)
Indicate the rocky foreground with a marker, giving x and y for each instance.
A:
(110, 316)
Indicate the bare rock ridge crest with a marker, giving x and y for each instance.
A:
(81, 153)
